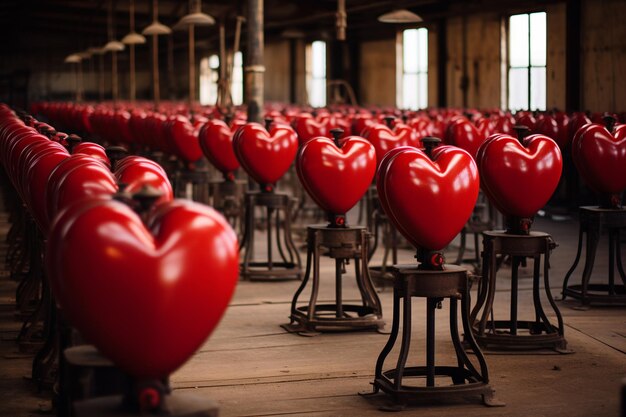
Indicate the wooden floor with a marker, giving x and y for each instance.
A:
(252, 367)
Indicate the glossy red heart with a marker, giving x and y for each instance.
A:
(94, 150)
(76, 178)
(136, 172)
(37, 178)
(184, 139)
(384, 139)
(147, 298)
(519, 180)
(336, 178)
(462, 133)
(216, 141)
(429, 201)
(265, 156)
(600, 157)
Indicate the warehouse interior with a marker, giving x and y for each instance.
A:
(312, 208)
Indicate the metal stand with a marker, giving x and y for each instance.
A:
(540, 333)
(342, 244)
(380, 223)
(227, 198)
(192, 185)
(290, 265)
(481, 221)
(467, 380)
(592, 220)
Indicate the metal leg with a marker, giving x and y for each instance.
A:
(338, 288)
(590, 257)
(270, 211)
(393, 336)
(514, 287)
(406, 338)
(576, 260)
(431, 305)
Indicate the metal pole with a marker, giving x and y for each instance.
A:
(114, 76)
(254, 70)
(155, 71)
(132, 81)
(101, 77)
(192, 67)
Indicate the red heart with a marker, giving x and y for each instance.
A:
(37, 177)
(601, 157)
(92, 149)
(184, 139)
(336, 178)
(462, 133)
(428, 201)
(308, 128)
(216, 141)
(136, 172)
(146, 298)
(385, 139)
(265, 156)
(76, 178)
(519, 180)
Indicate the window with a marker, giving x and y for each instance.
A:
(209, 78)
(413, 88)
(527, 62)
(316, 73)
(209, 75)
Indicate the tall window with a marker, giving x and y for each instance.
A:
(413, 91)
(527, 61)
(316, 73)
(209, 78)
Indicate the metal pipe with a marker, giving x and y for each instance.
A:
(254, 70)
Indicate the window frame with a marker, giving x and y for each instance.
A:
(422, 101)
(507, 64)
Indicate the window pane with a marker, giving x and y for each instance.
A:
(409, 91)
(422, 91)
(538, 39)
(214, 61)
(237, 81)
(319, 59)
(538, 88)
(518, 40)
(518, 88)
(422, 50)
(317, 92)
(409, 50)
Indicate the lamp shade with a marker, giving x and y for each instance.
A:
(133, 38)
(72, 59)
(156, 28)
(114, 46)
(400, 16)
(196, 19)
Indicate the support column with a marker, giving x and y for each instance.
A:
(255, 69)
(442, 63)
(572, 56)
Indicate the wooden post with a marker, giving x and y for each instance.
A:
(254, 70)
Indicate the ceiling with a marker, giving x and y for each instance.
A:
(60, 27)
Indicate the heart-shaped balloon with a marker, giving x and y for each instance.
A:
(519, 179)
(265, 156)
(131, 290)
(336, 178)
(216, 141)
(600, 157)
(429, 201)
